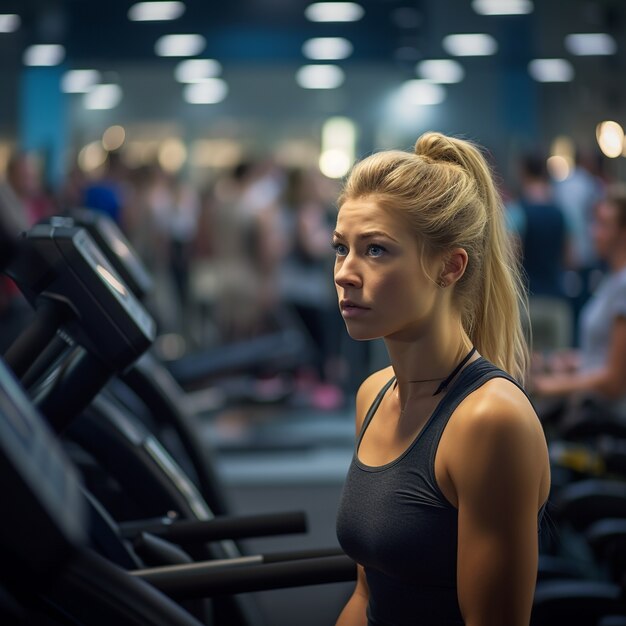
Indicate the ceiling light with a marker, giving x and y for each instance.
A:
(334, 163)
(551, 70)
(79, 81)
(196, 70)
(441, 70)
(209, 91)
(334, 12)
(610, 136)
(558, 167)
(9, 22)
(46, 54)
(563, 151)
(589, 44)
(338, 147)
(172, 154)
(320, 76)
(113, 137)
(105, 96)
(502, 7)
(327, 48)
(470, 45)
(91, 157)
(155, 11)
(423, 92)
(179, 45)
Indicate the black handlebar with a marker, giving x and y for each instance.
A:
(36, 336)
(76, 384)
(231, 576)
(219, 528)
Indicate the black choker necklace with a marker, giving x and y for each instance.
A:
(444, 385)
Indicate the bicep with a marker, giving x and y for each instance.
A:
(497, 566)
(497, 536)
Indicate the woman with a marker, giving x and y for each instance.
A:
(450, 473)
(598, 370)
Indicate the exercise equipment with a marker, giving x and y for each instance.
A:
(64, 300)
(148, 387)
(281, 349)
(47, 573)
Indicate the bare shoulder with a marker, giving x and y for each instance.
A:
(500, 405)
(495, 432)
(368, 391)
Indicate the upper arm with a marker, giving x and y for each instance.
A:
(498, 476)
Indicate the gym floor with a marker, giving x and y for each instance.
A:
(275, 460)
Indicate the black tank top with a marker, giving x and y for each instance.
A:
(394, 520)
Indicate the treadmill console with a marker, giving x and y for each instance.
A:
(64, 264)
(114, 245)
(100, 264)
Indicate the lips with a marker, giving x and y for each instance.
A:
(350, 309)
(348, 304)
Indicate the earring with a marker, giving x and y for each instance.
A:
(442, 283)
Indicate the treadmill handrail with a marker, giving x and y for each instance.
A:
(219, 528)
(213, 578)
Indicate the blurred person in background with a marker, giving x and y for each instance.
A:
(23, 202)
(25, 178)
(139, 217)
(175, 212)
(544, 246)
(108, 192)
(577, 196)
(303, 278)
(248, 243)
(592, 380)
(160, 219)
(70, 193)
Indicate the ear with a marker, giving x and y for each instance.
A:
(454, 264)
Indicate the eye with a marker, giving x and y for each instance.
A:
(375, 250)
(339, 248)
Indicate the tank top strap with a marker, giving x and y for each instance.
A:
(374, 406)
(482, 371)
(471, 378)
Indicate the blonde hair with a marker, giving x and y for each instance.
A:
(447, 192)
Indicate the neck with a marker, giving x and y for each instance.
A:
(432, 355)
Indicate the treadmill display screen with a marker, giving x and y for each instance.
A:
(116, 240)
(92, 254)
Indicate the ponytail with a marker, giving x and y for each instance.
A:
(447, 191)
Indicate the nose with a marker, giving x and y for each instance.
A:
(346, 272)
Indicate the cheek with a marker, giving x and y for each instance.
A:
(398, 291)
(387, 288)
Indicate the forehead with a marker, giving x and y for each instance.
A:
(362, 214)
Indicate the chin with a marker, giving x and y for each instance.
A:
(362, 334)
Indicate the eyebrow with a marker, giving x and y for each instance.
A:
(367, 235)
